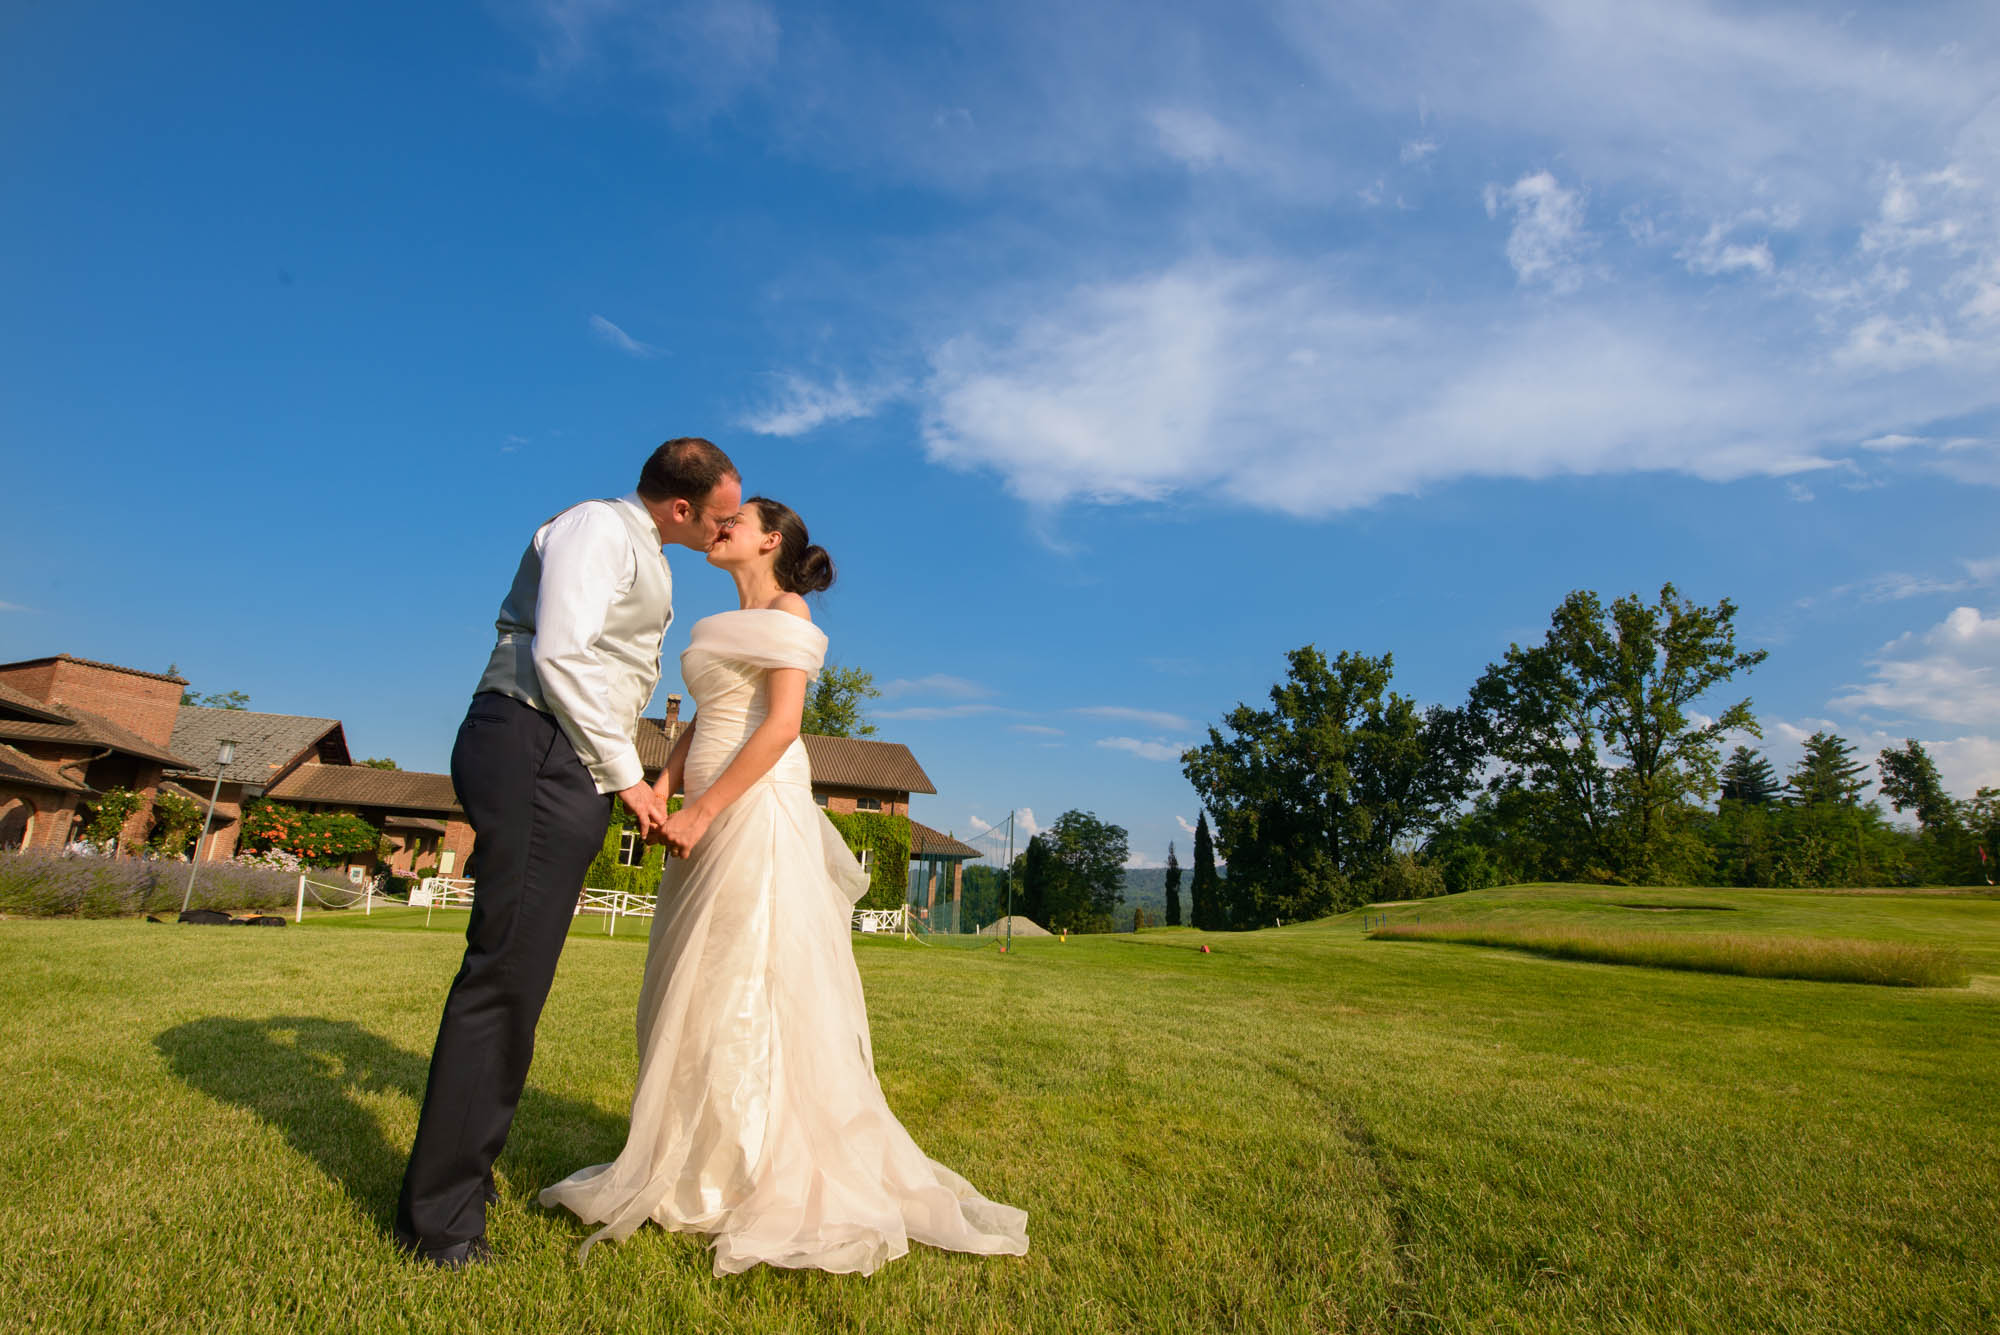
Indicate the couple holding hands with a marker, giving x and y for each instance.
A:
(757, 1120)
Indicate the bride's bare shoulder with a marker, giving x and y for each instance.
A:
(790, 602)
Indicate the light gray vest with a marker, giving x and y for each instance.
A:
(634, 628)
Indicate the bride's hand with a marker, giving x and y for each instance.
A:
(684, 829)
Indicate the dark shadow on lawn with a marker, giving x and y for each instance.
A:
(303, 1075)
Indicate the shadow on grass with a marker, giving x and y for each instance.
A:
(308, 1077)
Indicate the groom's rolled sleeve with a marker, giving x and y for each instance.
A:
(586, 565)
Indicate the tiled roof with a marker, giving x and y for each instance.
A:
(656, 741)
(424, 823)
(365, 786)
(91, 662)
(857, 762)
(87, 729)
(265, 743)
(24, 769)
(20, 702)
(926, 842)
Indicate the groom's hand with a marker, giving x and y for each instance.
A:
(647, 806)
(684, 829)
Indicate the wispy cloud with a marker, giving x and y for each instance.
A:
(624, 342)
(802, 405)
(933, 712)
(1152, 718)
(1038, 730)
(1144, 748)
(14, 607)
(937, 683)
(1187, 826)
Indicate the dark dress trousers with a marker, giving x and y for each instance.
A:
(538, 820)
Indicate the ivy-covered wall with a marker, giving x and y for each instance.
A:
(887, 838)
(605, 873)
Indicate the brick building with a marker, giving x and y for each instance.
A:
(71, 728)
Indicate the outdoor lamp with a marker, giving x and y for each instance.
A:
(225, 751)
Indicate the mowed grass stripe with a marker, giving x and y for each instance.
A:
(1816, 959)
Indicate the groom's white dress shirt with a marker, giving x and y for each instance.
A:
(581, 631)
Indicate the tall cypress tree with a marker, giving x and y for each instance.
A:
(1038, 872)
(1203, 890)
(1173, 888)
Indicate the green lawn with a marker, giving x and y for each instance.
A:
(1303, 1130)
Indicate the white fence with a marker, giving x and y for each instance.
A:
(896, 920)
(614, 904)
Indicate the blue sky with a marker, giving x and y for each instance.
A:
(1113, 350)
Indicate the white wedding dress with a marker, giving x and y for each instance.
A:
(758, 1119)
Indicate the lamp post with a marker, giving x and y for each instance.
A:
(225, 752)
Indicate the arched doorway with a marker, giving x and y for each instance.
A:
(17, 823)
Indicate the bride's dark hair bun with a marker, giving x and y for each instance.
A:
(801, 568)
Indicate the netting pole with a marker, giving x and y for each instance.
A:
(1009, 948)
(368, 902)
(301, 916)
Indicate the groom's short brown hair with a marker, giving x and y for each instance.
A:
(685, 468)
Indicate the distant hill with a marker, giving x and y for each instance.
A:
(1146, 887)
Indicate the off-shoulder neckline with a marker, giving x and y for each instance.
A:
(760, 611)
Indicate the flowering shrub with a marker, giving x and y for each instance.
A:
(110, 812)
(319, 838)
(176, 822)
(42, 885)
(277, 858)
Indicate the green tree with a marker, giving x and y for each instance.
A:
(1592, 729)
(1034, 871)
(1173, 888)
(833, 703)
(224, 700)
(1911, 783)
(1747, 777)
(1087, 862)
(1827, 774)
(1312, 794)
(1205, 890)
(381, 762)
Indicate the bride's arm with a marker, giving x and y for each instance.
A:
(779, 730)
(673, 778)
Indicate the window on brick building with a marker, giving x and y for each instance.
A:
(867, 856)
(819, 799)
(867, 804)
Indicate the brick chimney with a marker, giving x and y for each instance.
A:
(673, 712)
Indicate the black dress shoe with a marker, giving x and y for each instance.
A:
(492, 1193)
(454, 1256)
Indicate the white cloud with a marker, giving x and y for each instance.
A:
(1547, 240)
(1154, 749)
(1186, 825)
(1038, 730)
(1187, 381)
(14, 607)
(1140, 862)
(621, 340)
(1949, 674)
(1025, 827)
(1417, 150)
(1715, 254)
(802, 405)
(1151, 717)
(709, 52)
(1892, 441)
(937, 683)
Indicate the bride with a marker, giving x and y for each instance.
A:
(757, 1119)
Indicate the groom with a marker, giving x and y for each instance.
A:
(546, 742)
